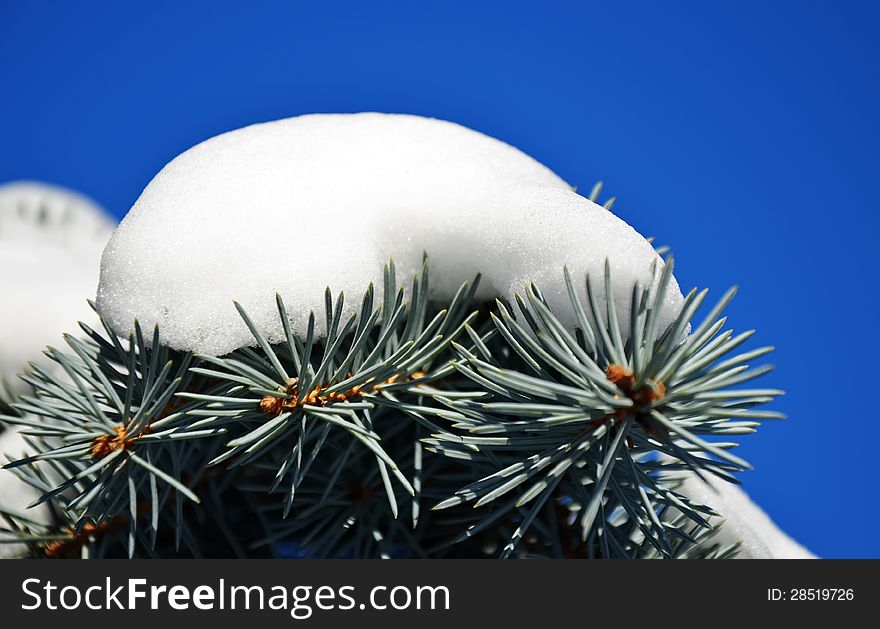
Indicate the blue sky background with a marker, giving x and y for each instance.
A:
(744, 134)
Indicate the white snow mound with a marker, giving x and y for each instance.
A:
(744, 521)
(51, 241)
(296, 205)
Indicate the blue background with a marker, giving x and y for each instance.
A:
(743, 134)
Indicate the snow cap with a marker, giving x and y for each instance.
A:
(296, 205)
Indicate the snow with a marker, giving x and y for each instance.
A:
(16, 495)
(296, 205)
(743, 522)
(50, 247)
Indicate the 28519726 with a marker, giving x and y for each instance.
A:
(810, 594)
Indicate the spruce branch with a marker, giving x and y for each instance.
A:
(105, 433)
(597, 419)
(291, 396)
(410, 429)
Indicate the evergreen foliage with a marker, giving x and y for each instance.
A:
(412, 429)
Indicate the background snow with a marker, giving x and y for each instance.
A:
(16, 495)
(299, 204)
(50, 248)
(51, 240)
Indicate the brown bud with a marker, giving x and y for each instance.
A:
(621, 376)
(271, 405)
